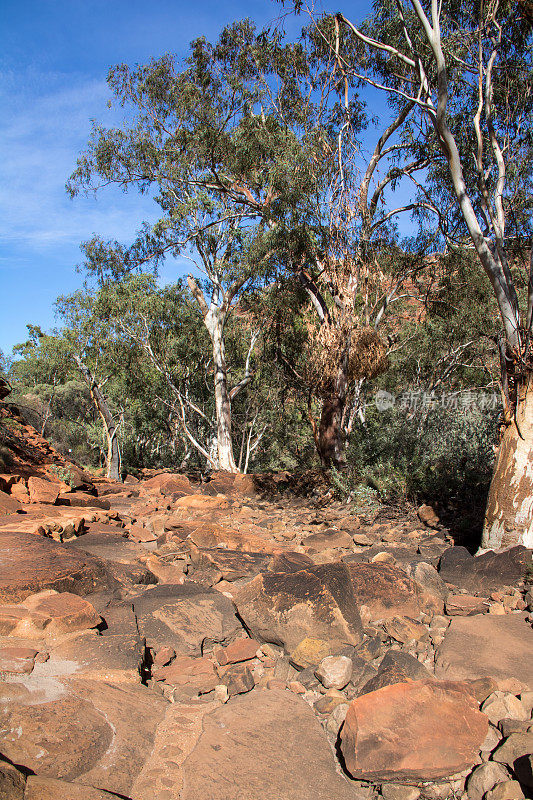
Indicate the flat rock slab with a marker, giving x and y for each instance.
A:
(51, 789)
(264, 744)
(29, 563)
(109, 546)
(485, 645)
(413, 731)
(88, 731)
(188, 617)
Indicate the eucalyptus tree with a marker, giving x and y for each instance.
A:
(207, 139)
(466, 68)
(86, 344)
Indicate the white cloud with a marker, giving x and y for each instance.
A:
(46, 125)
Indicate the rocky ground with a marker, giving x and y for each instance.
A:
(167, 639)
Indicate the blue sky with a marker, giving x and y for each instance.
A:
(54, 57)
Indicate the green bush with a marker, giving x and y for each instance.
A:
(444, 459)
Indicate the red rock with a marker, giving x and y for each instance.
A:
(193, 675)
(167, 484)
(9, 504)
(83, 500)
(164, 656)
(213, 536)
(482, 645)
(20, 492)
(66, 612)
(30, 563)
(464, 605)
(50, 789)
(42, 491)
(17, 620)
(266, 744)
(287, 607)
(239, 650)
(277, 683)
(388, 592)
(17, 660)
(413, 731)
(199, 502)
(139, 534)
(89, 731)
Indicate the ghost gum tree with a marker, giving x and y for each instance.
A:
(467, 69)
(207, 140)
(85, 342)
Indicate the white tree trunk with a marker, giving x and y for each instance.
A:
(509, 513)
(222, 399)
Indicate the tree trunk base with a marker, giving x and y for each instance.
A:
(509, 513)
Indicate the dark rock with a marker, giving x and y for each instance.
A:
(188, 617)
(487, 572)
(286, 607)
(387, 591)
(396, 666)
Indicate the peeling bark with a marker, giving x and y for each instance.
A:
(509, 512)
(330, 438)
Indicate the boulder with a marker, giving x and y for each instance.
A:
(30, 563)
(487, 572)
(17, 660)
(504, 705)
(111, 656)
(228, 565)
(506, 790)
(427, 576)
(465, 605)
(396, 667)
(413, 731)
(482, 645)
(65, 612)
(387, 591)
(42, 491)
(428, 516)
(9, 504)
(405, 629)
(290, 562)
(213, 536)
(12, 781)
(238, 679)
(512, 750)
(286, 607)
(168, 484)
(83, 500)
(237, 651)
(263, 744)
(484, 778)
(334, 672)
(199, 502)
(188, 617)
